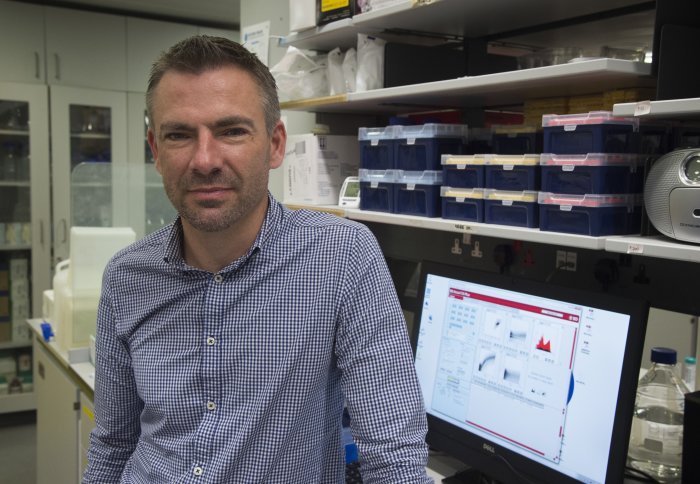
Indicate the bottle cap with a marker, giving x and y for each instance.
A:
(666, 356)
(690, 360)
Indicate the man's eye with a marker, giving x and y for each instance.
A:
(175, 136)
(235, 132)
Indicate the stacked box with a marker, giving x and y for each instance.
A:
(463, 171)
(592, 173)
(590, 214)
(419, 148)
(512, 172)
(511, 208)
(418, 193)
(593, 132)
(378, 147)
(462, 203)
(377, 190)
(516, 139)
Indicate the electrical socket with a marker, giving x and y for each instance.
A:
(566, 261)
(476, 252)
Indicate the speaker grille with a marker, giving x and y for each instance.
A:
(663, 177)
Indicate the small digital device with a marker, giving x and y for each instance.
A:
(526, 381)
(350, 193)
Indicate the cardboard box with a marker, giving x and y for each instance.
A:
(315, 167)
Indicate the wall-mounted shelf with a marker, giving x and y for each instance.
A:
(448, 17)
(501, 89)
(673, 108)
(654, 246)
(488, 230)
(650, 246)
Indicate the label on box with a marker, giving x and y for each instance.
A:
(328, 5)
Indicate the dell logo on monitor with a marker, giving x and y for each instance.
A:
(488, 447)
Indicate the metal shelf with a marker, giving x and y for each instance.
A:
(504, 88)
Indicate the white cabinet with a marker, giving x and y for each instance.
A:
(89, 158)
(86, 423)
(21, 42)
(57, 399)
(85, 49)
(149, 207)
(25, 232)
(145, 40)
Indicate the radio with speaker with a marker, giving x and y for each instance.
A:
(672, 195)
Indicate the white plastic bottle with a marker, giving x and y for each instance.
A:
(656, 440)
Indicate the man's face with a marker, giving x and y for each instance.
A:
(211, 146)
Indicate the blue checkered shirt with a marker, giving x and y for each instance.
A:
(241, 376)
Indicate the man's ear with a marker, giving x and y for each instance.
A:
(151, 136)
(278, 142)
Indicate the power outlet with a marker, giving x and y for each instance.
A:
(566, 261)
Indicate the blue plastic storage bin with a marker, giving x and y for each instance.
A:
(463, 171)
(591, 214)
(418, 193)
(378, 147)
(419, 148)
(462, 203)
(593, 173)
(511, 208)
(512, 172)
(594, 132)
(377, 190)
(516, 140)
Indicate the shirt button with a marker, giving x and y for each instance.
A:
(211, 341)
(218, 278)
(197, 471)
(211, 406)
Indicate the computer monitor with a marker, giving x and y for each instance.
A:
(526, 381)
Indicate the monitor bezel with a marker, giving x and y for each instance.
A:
(503, 464)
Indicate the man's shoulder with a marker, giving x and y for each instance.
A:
(305, 219)
(148, 248)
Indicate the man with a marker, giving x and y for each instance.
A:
(229, 341)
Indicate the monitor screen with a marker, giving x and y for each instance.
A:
(527, 380)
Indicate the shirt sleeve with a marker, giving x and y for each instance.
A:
(117, 405)
(383, 397)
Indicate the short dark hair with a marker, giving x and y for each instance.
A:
(203, 52)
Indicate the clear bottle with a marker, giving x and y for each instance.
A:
(656, 440)
(689, 372)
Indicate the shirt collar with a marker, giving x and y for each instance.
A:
(172, 244)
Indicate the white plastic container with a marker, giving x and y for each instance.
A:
(61, 316)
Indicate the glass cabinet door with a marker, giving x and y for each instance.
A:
(89, 161)
(150, 208)
(25, 244)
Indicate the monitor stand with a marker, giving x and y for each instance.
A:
(469, 476)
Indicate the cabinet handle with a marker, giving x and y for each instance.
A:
(58, 66)
(64, 226)
(36, 65)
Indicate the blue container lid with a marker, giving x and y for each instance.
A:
(666, 356)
